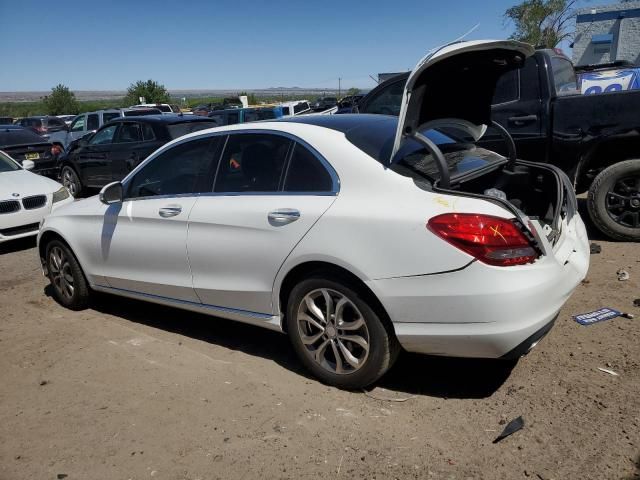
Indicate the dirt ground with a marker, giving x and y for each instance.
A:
(128, 390)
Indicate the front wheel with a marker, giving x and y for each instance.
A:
(614, 201)
(337, 335)
(71, 180)
(70, 287)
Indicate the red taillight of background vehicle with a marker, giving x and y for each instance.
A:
(56, 150)
(492, 240)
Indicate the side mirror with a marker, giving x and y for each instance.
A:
(28, 164)
(111, 193)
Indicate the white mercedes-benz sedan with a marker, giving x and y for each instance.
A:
(354, 234)
(25, 198)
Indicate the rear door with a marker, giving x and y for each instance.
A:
(261, 207)
(517, 106)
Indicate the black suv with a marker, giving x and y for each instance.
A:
(119, 146)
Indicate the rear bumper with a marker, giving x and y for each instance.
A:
(482, 311)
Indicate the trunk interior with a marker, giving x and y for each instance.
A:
(533, 189)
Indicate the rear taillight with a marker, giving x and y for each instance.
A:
(56, 150)
(492, 240)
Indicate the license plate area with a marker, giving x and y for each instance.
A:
(32, 156)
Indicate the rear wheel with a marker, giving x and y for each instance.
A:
(71, 180)
(70, 287)
(337, 335)
(614, 201)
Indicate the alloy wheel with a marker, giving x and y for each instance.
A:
(333, 331)
(69, 180)
(61, 275)
(623, 201)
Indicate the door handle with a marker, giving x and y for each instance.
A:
(283, 216)
(170, 211)
(523, 120)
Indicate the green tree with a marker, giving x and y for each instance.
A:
(542, 23)
(61, 101)
(152, 91)
(353, 91)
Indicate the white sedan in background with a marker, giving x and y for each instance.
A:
(355, 234)
(25, 198)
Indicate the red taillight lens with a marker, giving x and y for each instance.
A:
(490, 239)
(55, 150)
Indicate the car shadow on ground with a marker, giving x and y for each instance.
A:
(18, 245)
(412, 374)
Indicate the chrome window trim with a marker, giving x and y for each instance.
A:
(334, 175)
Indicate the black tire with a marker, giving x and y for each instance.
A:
(383, 347)
(617, 221)
(71, 180)
(69, 285)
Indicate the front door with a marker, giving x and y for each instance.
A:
(144, 238)
(93, 158)
(240, 235)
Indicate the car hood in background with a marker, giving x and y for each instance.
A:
(456, 81)
(25, 184)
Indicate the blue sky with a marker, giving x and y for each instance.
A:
(198, 44)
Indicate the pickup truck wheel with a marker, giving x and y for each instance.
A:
(614, 201)
(71, 180)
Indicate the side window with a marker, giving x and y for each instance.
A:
(564, 77)
(507, 88)
(184, 169)
(104, 136)
(129, 132)
(55, 124)
(107, 117)
(147, 132)
(306, 173)
(252, 163)
(232, 118)
(92, 122)
(387, 101)
(78, 124)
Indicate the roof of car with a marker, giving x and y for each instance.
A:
(342, 123)
(166, 119)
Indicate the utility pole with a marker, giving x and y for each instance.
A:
(339, 80)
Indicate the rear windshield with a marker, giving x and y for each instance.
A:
(6, 164)
(376, 139)
(9, 137)
(180, 129)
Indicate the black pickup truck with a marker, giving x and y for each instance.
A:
(595, 139)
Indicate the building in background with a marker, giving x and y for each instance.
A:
(607, 34)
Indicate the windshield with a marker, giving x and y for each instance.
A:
(180, 129)
(6, 164)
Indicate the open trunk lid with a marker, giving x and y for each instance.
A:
(456, 82)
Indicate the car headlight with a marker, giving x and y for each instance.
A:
(60, 195)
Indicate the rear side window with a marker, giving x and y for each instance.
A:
(564, 77)
(31, 122)
(147, 132)
(507, 88)
(252, 163)
(306, 173)
(180, 129)
(387, 101)
(301, 107)
(108, 116)
(184, 169)
(129, 132)
(92, 122)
